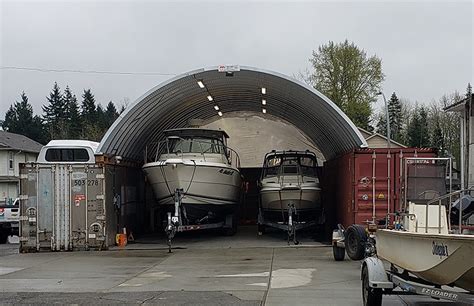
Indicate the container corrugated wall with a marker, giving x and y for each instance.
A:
(62, 207)
(355, 181)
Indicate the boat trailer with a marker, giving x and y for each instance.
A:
(376, 282)
(291, 226)
(175, 222)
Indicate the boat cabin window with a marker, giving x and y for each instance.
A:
(273, 166)
(303, 165)
(290, 165)
(67, 155)
(308, 166)
(196, 145)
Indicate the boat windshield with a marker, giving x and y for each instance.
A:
(290, 165)
(196, 145)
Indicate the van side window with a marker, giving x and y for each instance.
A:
(67, 155)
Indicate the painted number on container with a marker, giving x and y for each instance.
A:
(84, 182)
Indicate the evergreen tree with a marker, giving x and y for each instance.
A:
(90, 129)
(55, 114)
(19, 119)
(381, 126)
(88, 107)
(74, 122)
(101, 119)
(424, 130)
(395, 115)
(437, 140)
(111, 114)
(417, 132)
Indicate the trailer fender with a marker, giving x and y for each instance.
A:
(377, 275)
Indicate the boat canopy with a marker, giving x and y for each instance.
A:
(196, 132)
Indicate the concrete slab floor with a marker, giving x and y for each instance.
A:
(196, 275)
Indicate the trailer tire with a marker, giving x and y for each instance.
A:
(355, 239)
(370, 296)
(338, 253)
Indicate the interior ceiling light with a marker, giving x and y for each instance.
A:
(201, 84)
(209, 98)
(264, 90)
(216, 107)
(220, 114)
(264, 102)
(264, 110)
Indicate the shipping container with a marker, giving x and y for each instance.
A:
(77, 206)
(360, 184)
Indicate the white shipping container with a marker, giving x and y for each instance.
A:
(62, 207)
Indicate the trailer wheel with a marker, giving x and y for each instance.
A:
(338, 253)
(370, 296)
(355, 242)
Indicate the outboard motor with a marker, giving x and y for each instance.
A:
(467, 204)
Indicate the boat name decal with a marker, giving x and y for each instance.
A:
(439, 293)
(440, 249)
(226, 171)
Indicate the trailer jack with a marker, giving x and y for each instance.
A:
(291, 224)
(177, 224)
(174, 221)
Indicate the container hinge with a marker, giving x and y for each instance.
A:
(100, 197)
(23, 197)
(23, 218)
(23, 176)
(100, 176)
(23, 239)
(100, 217)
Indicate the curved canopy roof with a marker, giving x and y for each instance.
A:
(174, 102)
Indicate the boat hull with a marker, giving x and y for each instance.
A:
(441, 259)
(208, 188)
(276, 199)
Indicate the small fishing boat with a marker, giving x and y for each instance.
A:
(197, 164)
(427, 249)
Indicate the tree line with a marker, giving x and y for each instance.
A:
(345, 73)
(423, 125)
(63, 117)
(352, 79)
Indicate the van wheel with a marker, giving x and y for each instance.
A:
(338, 253)
(370, 296)
(355, 240)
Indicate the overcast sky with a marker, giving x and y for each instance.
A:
(426, 47)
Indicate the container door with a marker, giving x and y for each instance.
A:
(96, 231)
(373, 186)
(78, 206)
(45, 207)
(87, 207)
(28, 207)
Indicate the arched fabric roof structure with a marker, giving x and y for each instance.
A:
(173, 103)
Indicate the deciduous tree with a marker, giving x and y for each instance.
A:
(349, 77)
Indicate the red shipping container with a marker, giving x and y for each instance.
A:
(353, 182)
